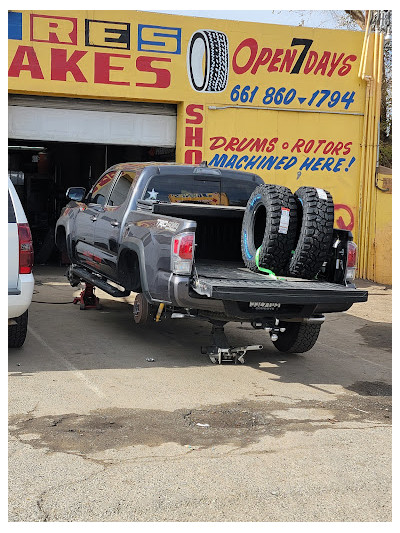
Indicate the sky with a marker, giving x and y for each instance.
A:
(309, 18)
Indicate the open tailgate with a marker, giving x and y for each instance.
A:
(241, 285)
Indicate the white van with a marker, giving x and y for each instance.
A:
(20, 262)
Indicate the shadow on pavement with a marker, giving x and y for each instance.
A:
(63, 336)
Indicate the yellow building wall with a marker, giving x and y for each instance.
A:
(382, 250)
(286, 103)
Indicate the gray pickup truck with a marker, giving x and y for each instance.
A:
(173, 235)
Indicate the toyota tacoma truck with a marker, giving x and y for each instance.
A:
(187, 239)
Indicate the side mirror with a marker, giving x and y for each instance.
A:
(77, 194)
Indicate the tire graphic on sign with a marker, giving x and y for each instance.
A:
(208, 61)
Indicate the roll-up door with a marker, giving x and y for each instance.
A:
(91, 121)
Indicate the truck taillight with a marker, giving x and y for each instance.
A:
(25, 249)
(182, 253)
(351, 261)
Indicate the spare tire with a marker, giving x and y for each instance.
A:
(315, 229)
(269, 223)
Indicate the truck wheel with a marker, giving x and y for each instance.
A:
(208, 61)
(299, 337)
(143, 312)
(269, 223)
(315, 211)
(17, 332)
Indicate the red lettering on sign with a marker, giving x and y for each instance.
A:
(32, 65)
(55, 30)
(102, 68)
(323, 63)
(337, 148)
(215, 140)
(244, 144)
(298, 144)
(288, 60)
(262, 59)
(341, 224)
(311, 62)
(163, 76)
(238, 145)
(193, 157)
(275, 60)
(232, 143)
(60, 65)
(252, 45)
(346, 67)
(334, 63)
(330, 147)
(259, 145)
(197, 116)
(247, 57)
(320, 143)
(194, 136)
(347, 148)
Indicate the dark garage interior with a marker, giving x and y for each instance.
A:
(41, 172)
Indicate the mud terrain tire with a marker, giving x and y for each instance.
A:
(315, 214)
(298, 338)
(269, 223)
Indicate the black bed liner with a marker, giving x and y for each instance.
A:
(221, 281)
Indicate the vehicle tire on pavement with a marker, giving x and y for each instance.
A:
(299, 337)
(143, 312)
(17, 332)
(315, 215)
(269, 223)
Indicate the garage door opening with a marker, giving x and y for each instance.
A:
(42, 171)
(56, 143)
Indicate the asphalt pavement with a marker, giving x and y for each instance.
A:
(110, 421)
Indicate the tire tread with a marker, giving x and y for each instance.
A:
(315, 235)
(298, 338)
(17, 332)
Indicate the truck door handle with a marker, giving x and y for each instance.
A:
(114, 223)
(93, 218)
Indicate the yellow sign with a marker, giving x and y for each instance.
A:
(282, 102)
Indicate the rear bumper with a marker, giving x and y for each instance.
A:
(295, 298)
(20, 297)
(305, 293)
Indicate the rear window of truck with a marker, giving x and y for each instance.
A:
(211, 191)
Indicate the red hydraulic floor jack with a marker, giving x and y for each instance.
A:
(87, 298)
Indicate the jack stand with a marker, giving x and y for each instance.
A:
(220, 351)
(87, 298)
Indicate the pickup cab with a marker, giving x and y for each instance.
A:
(172, 234)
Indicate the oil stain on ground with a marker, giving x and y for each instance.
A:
(371, 388)
(377, 336)
(239, 424)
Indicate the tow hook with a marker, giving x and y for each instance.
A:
(271, 326)
(275, 330)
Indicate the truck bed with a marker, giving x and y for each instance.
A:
(233, 281)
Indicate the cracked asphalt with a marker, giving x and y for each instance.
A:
(99, 432)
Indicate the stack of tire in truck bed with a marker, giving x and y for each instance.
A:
(289, 234)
